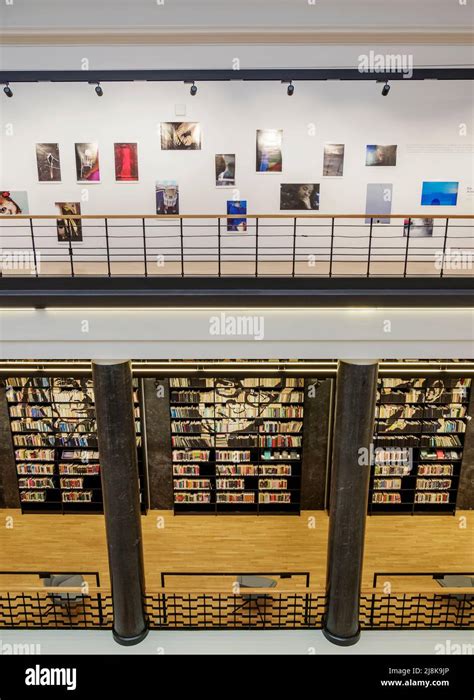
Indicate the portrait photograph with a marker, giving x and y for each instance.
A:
(225, 170)
(180, 136)
(13, 203)
(47, 162)
(167, 197)
(269, 156)
(333, 160)
(69, 229)
(418, 228)
(299, 196)
(126, 162)
(381, 155)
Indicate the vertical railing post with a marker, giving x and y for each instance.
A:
(293, 269)
(144, 246)
(109, 273)
(71, 253)
(219, 246)
(369, 252)
(33, 246)
(406, 248)
(444, 246)
(181, 235)
(256, 246)
(332, 247)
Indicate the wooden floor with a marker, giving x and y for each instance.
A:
(236, 544)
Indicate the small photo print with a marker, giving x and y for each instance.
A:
(301, 196)
(87, 162)
(333, 161)
(237, 210)
(418, 228)
(48, 162)
(436, 194)
(167, 197)
(180, 136)
(269, 157)
(126, 162)
(13, 203)
(69, 229)
(381, 155)
(225, 170)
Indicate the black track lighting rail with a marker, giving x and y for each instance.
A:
(212, 75)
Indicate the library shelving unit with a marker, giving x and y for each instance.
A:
(419, 438)
(54, 434)
(236, 444)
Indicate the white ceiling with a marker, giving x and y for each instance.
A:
(202, 15)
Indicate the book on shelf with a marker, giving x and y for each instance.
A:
(381, 497)
(186, 469)
(434, 484)
(440, 454)
(84, 456)
(190, 456)
(274, 484)
(201, 441)
(77, 483)
(189, 497)
(183, 382)
(236, 469)
(279, 440)
(391, 470)
(267, 455)
(269, 497)
(398, 456)
(84, 469)
(240, 497)
(192, 397)
(436, 469)
(36, 483)
(76, 496)
(387, 484)
(232, 456)
(275, 470)
(35, 468)
(202, 411)
(45, 455)
(33, 496)
(231, 484)
(192, 484)
(437, 497)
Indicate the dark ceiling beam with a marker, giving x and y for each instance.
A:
(262, 74)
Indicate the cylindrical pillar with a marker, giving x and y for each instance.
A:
(350, 474)
(120, 488)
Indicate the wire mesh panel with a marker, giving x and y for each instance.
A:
(417, 611)
(57, 611)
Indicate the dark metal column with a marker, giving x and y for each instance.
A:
(353, 430)
(118, 459)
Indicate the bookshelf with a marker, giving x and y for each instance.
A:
(420, 426)
(236, 444)
(54, 434)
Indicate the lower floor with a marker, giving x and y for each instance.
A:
(208, 545)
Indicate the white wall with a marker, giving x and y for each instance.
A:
(422, 118)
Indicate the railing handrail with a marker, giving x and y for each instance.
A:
(91, 590)
(294, 215)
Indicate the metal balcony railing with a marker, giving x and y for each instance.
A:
(203, 245)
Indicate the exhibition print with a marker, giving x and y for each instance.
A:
(436, 194)
(299, 196)
(333, 160)
(69, 229)
(167, 197)
(225, 170)
(418, 228)
(12, 203)
(269, 157)
(378, 202)
(381, 155)
(87, 162)
(47, 162)
(126, 162)
(237, 210)
(180, 136)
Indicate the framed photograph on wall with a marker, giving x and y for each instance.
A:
(237, 210)
(299, 196)
(69, 229)
(418, 228)
(439, 194)
(225, 169)
(333, 160)
(126, 162)
(378, 202)
(269, 156)
(381, 155)
(13, 203)
(167, 197)
(180, 136)
(48, 162)
(87, 162)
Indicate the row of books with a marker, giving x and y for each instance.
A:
(48, 483)
(230, 426)
(81, 425)
(441, 497)
(197, 397)
(236, 411)
(423, 441)
(458, 395)
(235, 470)
(251, 382)
(421, 484)
(423, 426)
(48, 381)
(424, 382)
(423, 470)
(60, 411)
(223, 484)
(422, 412)
(39, 440)
(52, 396)
(66, 496)
(38, 468)
(244, 497)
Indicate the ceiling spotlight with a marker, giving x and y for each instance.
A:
(98, 90)
(386, 89)
(290, 89)
(193, 90)
(7, 90)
